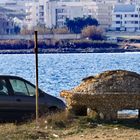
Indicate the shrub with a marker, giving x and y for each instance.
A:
(60, 30)
(92, 32)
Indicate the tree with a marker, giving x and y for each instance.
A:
(77, 24)
(16, 29)
(92, 32)
(70, 24)
(91, 21)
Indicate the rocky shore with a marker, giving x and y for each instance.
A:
(61, 46)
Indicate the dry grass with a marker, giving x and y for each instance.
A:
(63, 126)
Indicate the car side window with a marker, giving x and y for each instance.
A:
(3, 87)
(19, 87)
(31, 89)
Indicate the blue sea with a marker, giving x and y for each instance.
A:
(59, 72)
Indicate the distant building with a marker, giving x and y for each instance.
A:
(57, 13)
(31, 19)
(6, 25)
(125, 17)
(54, 14)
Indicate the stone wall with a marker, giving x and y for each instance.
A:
(106, 93)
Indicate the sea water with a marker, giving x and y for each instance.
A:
(59, 72)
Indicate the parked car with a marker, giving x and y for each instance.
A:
(17, 98)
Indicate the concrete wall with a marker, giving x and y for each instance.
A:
(50, 36)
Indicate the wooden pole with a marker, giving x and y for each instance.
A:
(138, 113)
(36, 62)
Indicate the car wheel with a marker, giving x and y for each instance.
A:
(53, 110)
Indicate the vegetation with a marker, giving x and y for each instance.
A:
(73, 26)
(63, 30)
(16, 29)
(76, 25)
(56, 46)
(63, 126)
(92, 32)
(62, 46)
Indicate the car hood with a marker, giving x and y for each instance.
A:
(54, 101)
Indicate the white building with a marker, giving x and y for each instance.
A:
(6, 24)
(31, 14)
(104, 12)
(16, 5)
(54, 13)
(57, 12)
(126, 17)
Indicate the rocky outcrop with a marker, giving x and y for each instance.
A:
(105, 93)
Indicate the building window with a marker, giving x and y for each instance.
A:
(132, 22)
(59, 10)
(118, 15)
(41, 14)
(136, 15)
(60, 24)
(41, 7)
(118, 22)
(136, 22)
(60, 17)
(117, 29)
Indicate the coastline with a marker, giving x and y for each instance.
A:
(47, 51)
(64, 46)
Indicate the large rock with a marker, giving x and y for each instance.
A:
(105, 93)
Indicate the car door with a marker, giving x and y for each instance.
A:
(23, 96)
(5, 99)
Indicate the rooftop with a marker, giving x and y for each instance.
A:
(124, 8)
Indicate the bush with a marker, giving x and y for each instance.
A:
(60, 30)
(77, 24)
(92, 32)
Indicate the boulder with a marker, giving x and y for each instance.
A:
(105, 93)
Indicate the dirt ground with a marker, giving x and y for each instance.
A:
(81, 128)
(103, 133)
(127, 128)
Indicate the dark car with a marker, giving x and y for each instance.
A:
(17, 98)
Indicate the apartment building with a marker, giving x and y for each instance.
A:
(6, 24)
(126, 17)
(31, 19)
(54, 13)
(104, 12)
(16, 5)
(71, 10)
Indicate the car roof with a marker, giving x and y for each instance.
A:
(14, 77)
(10, 76)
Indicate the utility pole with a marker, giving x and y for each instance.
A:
(36, 65)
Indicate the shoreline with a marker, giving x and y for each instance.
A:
(67, 46)
(64, 52)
